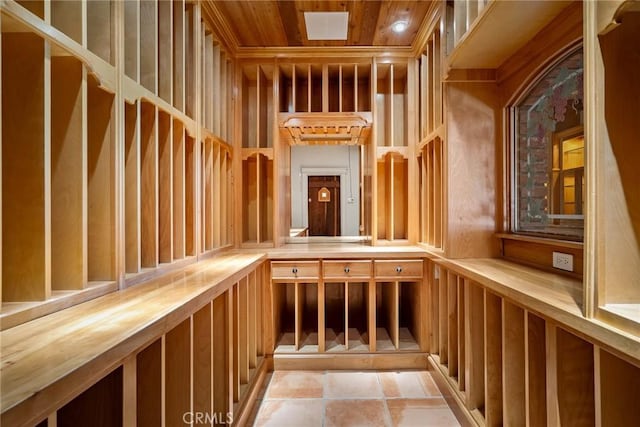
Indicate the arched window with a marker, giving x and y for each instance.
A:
(548, 155)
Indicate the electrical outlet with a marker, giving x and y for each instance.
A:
(563, 261)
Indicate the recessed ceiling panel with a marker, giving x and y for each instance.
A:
(326, 25)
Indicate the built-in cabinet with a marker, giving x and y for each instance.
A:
(508, 364)
(115, 157)
(199, 347)
(347, 305)
(355, 103)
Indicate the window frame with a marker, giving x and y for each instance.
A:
(512, 129)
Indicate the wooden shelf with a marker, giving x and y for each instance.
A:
(479, 45)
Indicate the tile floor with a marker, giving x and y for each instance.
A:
(350, 399)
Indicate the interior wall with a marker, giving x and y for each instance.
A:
(329, 157)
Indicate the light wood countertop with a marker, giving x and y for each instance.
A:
(47, 360)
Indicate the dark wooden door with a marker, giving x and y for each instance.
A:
(324, 217)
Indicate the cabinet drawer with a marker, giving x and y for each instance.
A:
(398, 269)
(295, 270)
(346, 269)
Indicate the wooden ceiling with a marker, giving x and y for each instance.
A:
(280, 23)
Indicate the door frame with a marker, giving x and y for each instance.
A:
(305, 173)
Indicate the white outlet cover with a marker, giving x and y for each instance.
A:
(563, 261)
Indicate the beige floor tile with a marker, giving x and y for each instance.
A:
(352, 385)
(295, 385)
(290, 413)
(430, 387)
(355, 413)
(432, 412)
(404, 384)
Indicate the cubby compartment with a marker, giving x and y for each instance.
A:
(306, 317)
(391, 105)
(165, 50)
(220, 354)
(316, 90)
(430, 162)
(178, 53)
(131, 41)
(190, 54)
(493, 409)
(575, 381)
(148, 39)
(285, 86)
(615, 375)
(148, 185)
(335, 316)
(178, 187)
(431, 117)
(536, 369)
(66, 16)
(392, 202)
(164, 188)
(190, 189)
(335, 87)
(99, 405)
(362, 88)
(101, 29)
(301, 82)
(257, 103)
(149, 384)
(357, 303)
(257, 179)
(177, 362)
(68, 169)
(513, 344)
(474, 333)
(101, 186)
(131, 188)
(397, 316)
(284, 316)
(203, 344)
(25, 166)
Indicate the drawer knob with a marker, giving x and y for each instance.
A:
(294, 270)
(347, 270)
(398, 269)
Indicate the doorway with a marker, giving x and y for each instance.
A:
(324, 205)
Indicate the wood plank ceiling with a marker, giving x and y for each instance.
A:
(280, 23)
